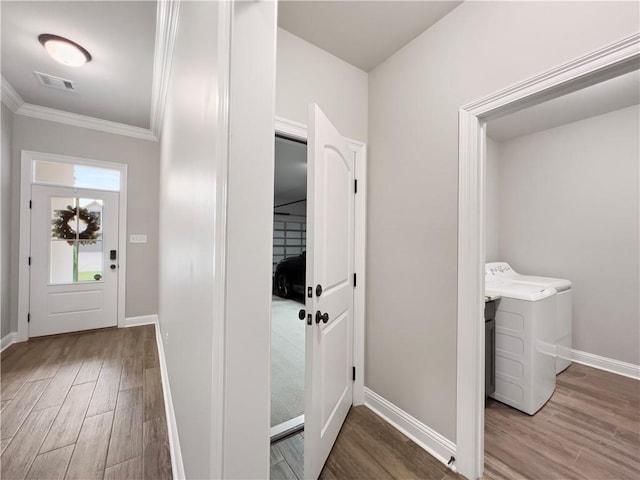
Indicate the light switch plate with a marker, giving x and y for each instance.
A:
(137, 239)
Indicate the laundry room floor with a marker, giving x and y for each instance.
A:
(589, 429)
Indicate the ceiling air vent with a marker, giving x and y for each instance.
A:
(55, 82)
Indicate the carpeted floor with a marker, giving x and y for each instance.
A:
(287, 360)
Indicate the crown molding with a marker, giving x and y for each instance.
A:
(14, 101)
(84, 121)
(10, 97)
(166, 29)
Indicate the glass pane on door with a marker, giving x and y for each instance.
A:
(64, 220)
(76, 253)
(90, 261)
(90, 219)
(61, 264)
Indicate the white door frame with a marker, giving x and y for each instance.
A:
(24, 247)
(608, 62)
(298, 131)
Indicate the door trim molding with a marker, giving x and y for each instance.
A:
(24, 246)
(219, 297)
(602, 64)
(298, 131)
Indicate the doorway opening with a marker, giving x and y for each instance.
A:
(607, 63)
(289, 279)
(558, 175)
(333, 294)
(72, 244)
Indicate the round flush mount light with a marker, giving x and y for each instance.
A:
(64, 50)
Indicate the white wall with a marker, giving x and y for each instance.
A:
(570, 209)
(249, 247)
(141, 157)
(6, 122)
(492, 202)
(414, 97)
(220, 390)
(306, 73)
(188, 186)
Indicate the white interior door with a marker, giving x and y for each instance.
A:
(74, 260)
(330, 246)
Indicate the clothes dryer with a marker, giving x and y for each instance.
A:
(564, 325)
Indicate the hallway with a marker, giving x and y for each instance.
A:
(84, 406)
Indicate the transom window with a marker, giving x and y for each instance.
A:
(78, 176)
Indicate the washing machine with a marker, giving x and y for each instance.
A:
(564, 325)
(525, 352)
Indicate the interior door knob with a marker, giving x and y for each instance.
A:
(324, 317)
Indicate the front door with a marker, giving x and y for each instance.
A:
(330, 256)
(74, 260)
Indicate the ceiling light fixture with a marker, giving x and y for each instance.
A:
(64, 50)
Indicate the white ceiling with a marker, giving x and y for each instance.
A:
(115, 85)
(613, 94)
(290, 176)
(362, 33)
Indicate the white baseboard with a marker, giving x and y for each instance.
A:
(430, 440)
(607, 364)
(177, 467)
(141, 320)
(8, 340)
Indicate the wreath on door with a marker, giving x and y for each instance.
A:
(62, 228)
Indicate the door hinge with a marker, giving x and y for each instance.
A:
(29, 260)
(30, 204)
(354, 374)
(355, 186)
(354, 280)
(28, 317)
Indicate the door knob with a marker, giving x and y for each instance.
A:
(302, 314)
(113, 267)
(322, 316)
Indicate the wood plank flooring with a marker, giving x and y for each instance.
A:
(367, 448)
(84, 406)
(589, 429)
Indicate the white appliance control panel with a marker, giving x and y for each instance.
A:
(497, 269)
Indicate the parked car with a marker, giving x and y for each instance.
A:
(290, 276)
